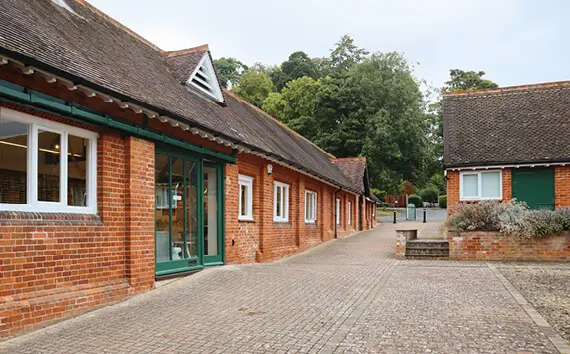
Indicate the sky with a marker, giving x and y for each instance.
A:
(515, 42)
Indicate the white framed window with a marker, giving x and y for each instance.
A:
(280, 202)
(348, 211)
(310, 207)
(337, 207)
(47, 166)
(245, 197)
(480, 185)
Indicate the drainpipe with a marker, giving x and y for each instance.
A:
(334, 220)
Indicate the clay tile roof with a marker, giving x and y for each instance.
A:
(183, 62)
(89, 47)
(354, 168)
(509, 125)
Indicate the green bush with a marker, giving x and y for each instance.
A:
(429, 195)
(443, 201)
(416, 200)
(512, 219)
(483, 216)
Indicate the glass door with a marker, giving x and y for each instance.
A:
(177, 246)
(213, 218)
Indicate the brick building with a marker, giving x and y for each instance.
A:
(120, 162)
(511, 142)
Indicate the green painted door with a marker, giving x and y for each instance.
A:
(213, 217)
(534, 186)
(189, 228)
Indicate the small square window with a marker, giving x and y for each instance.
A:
(480, 185)
(245, 198)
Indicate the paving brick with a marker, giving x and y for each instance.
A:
(346, 296)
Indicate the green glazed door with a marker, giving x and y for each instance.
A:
(213, 217)
(534, 186)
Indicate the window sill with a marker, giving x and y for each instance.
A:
(246, 219)
(310, 222)
(48, 218)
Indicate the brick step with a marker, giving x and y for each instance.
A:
(428, 244)
(422, 248)
(425, 256)
(429, 251)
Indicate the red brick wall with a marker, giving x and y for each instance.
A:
(263, 239)
(494, 246)
(562, 186)
(56, 265)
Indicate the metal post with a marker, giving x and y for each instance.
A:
(424, 215)
(394, 217)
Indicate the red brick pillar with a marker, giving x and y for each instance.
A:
(139, 235)
(266, 214)
(298, 207)
(231, 189)
(562, 186)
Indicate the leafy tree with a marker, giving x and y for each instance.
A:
(274, 105)
(298, 65)
(429, 195)
(467, 80)
(279, 78)
(229, 70)
(261, 68)
(254, 87)
(346, 54)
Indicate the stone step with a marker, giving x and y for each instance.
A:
(419, 248)
(429, 252)
(428, 244)
(426, 256)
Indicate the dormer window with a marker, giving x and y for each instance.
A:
(204, 79)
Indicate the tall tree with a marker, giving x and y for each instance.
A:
(254, 87)
(461, 80)
(298, 65)
(229, 70)
(346, 54)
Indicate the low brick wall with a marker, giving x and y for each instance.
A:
(402, 238)
(494, 246)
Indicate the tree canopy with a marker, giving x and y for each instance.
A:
(229, 71)
(353, 103)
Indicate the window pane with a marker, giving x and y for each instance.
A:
(278, 198)
(470, 186)
(161, 213)
(49, 166)
(177, 208)
(13, 161)
(192, 208)
(77, 150)
(243, 201)
(307, 205)
(491, 184)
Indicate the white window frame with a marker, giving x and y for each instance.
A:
(284, 217)
(337, 206)
(33, 204)
(312, 197)
(348, 212)
(479, 185)
(247, 182)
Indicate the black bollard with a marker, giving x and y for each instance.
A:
(394, 217)
(424, 216)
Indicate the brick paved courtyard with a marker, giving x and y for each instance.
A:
(348, 295)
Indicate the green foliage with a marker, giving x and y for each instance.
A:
(345, 55)
(279, 78)
(512, 219)
(377, 192)
(416, 200)
(467, 80)
(274, 105)
(483, 216)
(429, 195)
(443, 201)
(254, 87)
(229, 71)
(298, 65)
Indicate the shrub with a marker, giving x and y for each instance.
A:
(416, 200)
(429, 195)
(483, 216)
(564, 214)
(443, 201)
